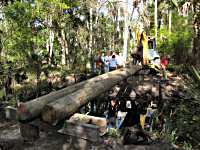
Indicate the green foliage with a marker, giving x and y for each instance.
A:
(185, 120)
(26, 93)
(113, 132)
(187, 146)
(27, 25)
(2, 93)
(171, 136)
(19, 40)
(30, 91)
(179, 40)
(175, 2)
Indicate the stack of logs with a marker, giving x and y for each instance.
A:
(58, 105)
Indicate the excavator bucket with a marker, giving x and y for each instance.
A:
(142, 44)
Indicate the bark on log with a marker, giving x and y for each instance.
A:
(33, 108)
(66, 106)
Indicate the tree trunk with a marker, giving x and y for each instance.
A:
(50, 40)
(63, 58)
(156, 19)
(1, 47)
(196, 44)
(126, 33)
(1, 41)
(170, 20)
(64, 46)
(118, 26)
(91, 34)
(96, 28)
(118, 17)
(66, 106)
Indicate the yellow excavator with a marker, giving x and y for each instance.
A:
(146, 52)
(147, 55)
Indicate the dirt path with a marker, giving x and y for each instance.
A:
(10, 139)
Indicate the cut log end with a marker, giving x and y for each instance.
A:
(49, 115)
(22, 111)
(22, 108)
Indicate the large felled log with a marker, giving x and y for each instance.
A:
(66, 106)
(33, 108)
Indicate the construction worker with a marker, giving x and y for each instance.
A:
(164, 64)
(113, 62)
(107, 61)
(120, 60)
(98, 65)
(132, 117)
